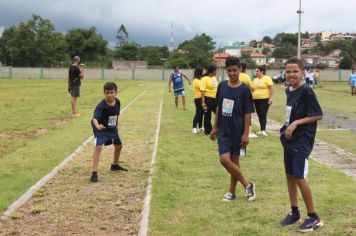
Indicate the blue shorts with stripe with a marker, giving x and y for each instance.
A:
(105, 138)
(296, 163)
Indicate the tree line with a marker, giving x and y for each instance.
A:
(35, 43)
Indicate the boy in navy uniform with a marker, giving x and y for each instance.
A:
(297, 137)
(178, 85)
(231, 126)
(105, 128)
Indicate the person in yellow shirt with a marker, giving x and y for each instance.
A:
(199, 112)
(262, 87)
(245, 78)
(208, 87)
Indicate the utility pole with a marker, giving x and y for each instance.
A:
(300, 12)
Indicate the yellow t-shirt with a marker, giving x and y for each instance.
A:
(260, 87)
(196, 87)
(245, 78)
(209, 85)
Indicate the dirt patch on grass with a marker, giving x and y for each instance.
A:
(12, 140)
(70, 204)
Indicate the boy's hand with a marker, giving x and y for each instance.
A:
(270, 100)
(213, 134)
(100, 127)
(290, 129)
(244, 140)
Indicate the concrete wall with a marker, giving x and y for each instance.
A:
(151, 74)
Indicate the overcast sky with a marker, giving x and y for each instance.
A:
(148, 22)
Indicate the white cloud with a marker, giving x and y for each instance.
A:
(148, 21)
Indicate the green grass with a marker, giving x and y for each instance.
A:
(37, 132)
(189, 183)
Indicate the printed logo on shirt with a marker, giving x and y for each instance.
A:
(227, 107)
(112, 121)
(288, 112)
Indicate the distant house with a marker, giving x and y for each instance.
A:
(220, 58)
(329, 60)
(235, 50)
(259, 58)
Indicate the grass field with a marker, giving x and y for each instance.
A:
(37, 133)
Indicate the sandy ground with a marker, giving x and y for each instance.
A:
(71, 205)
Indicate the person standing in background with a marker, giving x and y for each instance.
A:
(75, 75)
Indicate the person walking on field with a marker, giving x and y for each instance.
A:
(231, 127)
(75, 75)
(199, 112)
(105, 128)
(178, 85)
(208, 86)
(297, 138)
(262, 87)
(352, 81)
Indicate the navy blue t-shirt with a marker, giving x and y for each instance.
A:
(74, 73)
(107, 116)
(301, 103)
(234, 104)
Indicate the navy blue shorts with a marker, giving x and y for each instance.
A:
(296, 163)
(106, 139)
(179, 92)
(227, 145)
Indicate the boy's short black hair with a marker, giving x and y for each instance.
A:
(262, 69)
(210, 69)
(175, 66)
(232, 61)
(243, 66)
(294, 60)
(110, 86)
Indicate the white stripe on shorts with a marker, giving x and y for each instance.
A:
(306, 168)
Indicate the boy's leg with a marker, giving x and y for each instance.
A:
(117, 152)
(292, 190)
(307, 194)
(176, 101)
(233, 169)
(233, 182)
(183, 102)
(96, 156)
(74, 105)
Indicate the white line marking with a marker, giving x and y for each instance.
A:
(28, 194)
(146, 209)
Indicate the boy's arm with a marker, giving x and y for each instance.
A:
(203, 104)
(303, 121)
(244, 137)
(169, 84)
(214, 130)
(186, 78)
(97, 125)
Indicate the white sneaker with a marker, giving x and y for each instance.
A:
(201, 129)
(194, 130)
(259, 133)
(264, 133)
(229, 197)
(252, 135)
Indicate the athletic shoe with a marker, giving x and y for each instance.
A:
(94, 177)
(194, 130)
(310, 224)
(290, 219)
(76, 114)
(264, 133)
(250, 191)
(117, 167)
(229, 197)
(201, 129)
(259, 133)
(252, 135)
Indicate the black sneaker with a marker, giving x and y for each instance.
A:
(250, 191)
(290, 219)
(117, 167)
(94, 177)
(310, 224)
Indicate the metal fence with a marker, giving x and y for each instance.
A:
(140, 74)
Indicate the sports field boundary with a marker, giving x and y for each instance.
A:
(147, 202)
(29, 193)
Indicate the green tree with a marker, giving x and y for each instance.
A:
(129, 51)
(177, 59)
(154, 57)
(199, 50)
(245, 57)
(87, 44)
(122, 36)
(267, 39)
(34, 43)
(345, 63)
(284, 52)
(285, 39)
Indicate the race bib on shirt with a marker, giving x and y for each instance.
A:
(288, 112)
(112, 121)
(227, 107)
